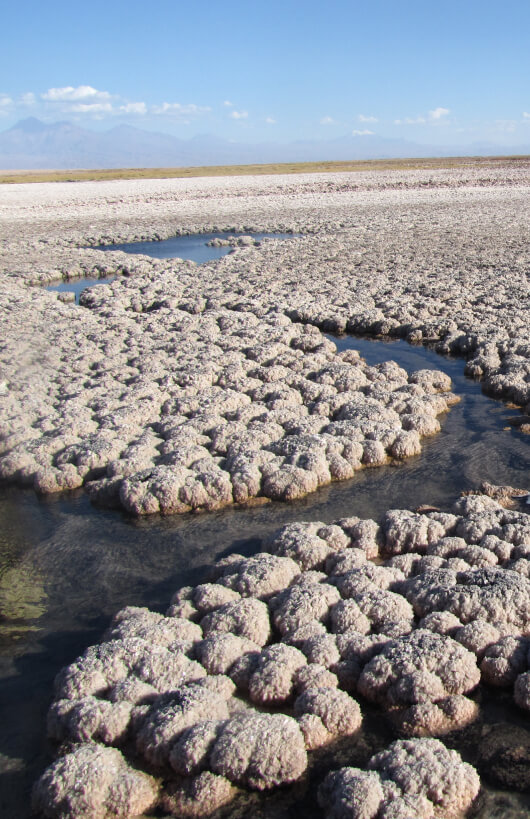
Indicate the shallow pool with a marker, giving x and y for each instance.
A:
(194, 248)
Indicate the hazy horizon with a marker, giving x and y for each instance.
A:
(454, 74)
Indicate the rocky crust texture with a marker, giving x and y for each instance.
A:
(179, 388)
(245, 676)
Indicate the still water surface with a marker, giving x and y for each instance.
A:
(67, 566)
(193, 248)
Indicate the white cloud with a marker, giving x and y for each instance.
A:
(435, 116)
(228, 104)
(410, 121)
(438, 113)
(270, 120)
(91, 108)
(526, 115)
(239, 114)
(71, 94)
(364, 132)
(327, 121)
(363, 118)
(5, 103)
(28, 99)
(176, 109)
(133, 108)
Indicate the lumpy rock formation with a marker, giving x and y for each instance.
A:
(247, 676)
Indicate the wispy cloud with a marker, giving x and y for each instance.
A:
(439, 113)
(363, 132)
(327, 121)
(363, 118)
(176, 109)
(526, 115)
(434, 117)
(133, 108)
(239, 114)
(270, 120)
(70, 94)
(228, 104)
(85, 100)
(5, 105)
(91, 108)
(410, 121)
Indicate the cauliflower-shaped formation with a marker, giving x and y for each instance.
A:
(103, 666)
(154, 628)
(199, 796)
(299, 605)
(273, 678)
(476, 636)
(339, 713)
(88, 719)
(301, 543)
(171, 714)
(259, 750)
(191, 751)
(412, 778)
(94, 782)
(504, 660)
(406, 531)
(246, 618)
(261, 575)
(420, 667)
(219, 652)
(210, 596)
(428, 768)
(428, 719)
(498, 596)
(386, 611)
(351, 793)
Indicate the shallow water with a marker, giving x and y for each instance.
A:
(67, 566)
(193, 248)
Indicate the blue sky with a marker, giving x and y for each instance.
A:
(439, 73)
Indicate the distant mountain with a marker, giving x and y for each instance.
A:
(31, 143)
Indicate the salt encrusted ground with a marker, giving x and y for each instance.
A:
(180, 387)
(185, 388)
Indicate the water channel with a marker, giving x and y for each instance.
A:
(66, 566)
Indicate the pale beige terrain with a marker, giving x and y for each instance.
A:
(181, 388)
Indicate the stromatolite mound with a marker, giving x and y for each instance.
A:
(172, 714)
(96, 782)
(247, 674)
(260, 751)
(426, 673)
(412, 778)
(199, 796)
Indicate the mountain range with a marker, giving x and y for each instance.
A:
(31, 144)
